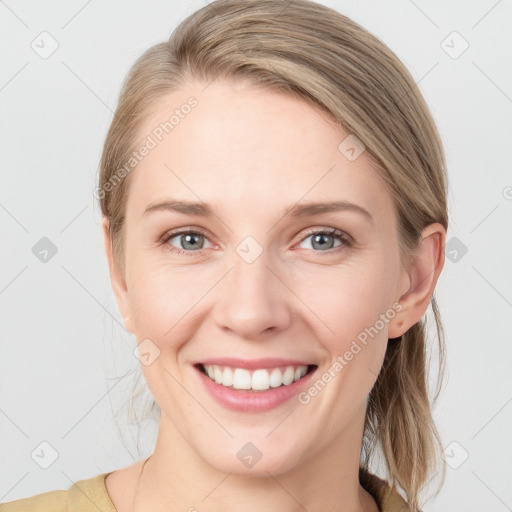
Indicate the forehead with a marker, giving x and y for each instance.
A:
(238, 141)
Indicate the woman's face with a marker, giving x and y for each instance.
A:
(264, 280)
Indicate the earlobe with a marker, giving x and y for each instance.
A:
(117, 279)
(427, 261)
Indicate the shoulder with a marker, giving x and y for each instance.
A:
(387, 498)
(83, 496)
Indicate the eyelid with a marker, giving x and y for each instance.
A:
(168, 235)
(328, 231)
(181, 231)
(342, 236)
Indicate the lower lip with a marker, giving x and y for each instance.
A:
(252, 401)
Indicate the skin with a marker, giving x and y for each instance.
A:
(252, 153)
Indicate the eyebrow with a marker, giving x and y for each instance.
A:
(298, 210)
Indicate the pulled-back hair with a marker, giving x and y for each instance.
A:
(315, 53)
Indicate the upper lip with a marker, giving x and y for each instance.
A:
(252, 364)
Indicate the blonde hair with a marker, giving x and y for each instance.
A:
(316, 54)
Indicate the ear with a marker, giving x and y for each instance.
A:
(117, 279)
(420, 279)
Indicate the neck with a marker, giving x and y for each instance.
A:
(175, 477)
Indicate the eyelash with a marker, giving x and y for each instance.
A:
(346, 240)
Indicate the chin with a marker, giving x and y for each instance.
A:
(257, 459)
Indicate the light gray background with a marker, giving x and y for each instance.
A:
(63, 352)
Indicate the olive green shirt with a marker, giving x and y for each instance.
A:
(91, 495)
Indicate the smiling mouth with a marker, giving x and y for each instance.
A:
(260, 379)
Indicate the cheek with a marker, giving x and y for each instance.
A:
(346, 299)
(354, 305)
(165, 300)
(339, 302)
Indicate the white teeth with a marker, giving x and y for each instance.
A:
(276, 379)
(241, 379)
(227, 377)
(288, 375)
(258, 380)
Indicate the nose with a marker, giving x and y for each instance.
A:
(253, 300)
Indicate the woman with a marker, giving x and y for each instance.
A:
(274, 215)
